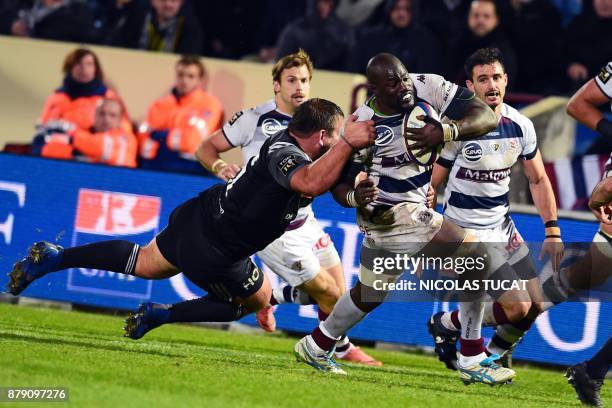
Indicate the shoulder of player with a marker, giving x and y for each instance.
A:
(253, 114)
(426, 80)
(515, 116)
(364, 112)
(283, 142)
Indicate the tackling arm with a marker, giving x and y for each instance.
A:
(321, 175)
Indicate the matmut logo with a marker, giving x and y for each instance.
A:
(110, 213)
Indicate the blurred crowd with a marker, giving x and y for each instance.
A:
(86, 120)
(550, 46)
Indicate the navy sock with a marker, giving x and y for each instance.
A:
(599, 364)
(115, 256)
(206, 309)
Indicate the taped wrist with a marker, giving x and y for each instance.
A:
(217, 166)
(551, 229)
(450, 131)
(350, 199)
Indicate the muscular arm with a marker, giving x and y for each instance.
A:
(477, 119)
(319, 176)
(540, 187)
(208, 154)
(470, 118)
(583, 104)
(345, 184)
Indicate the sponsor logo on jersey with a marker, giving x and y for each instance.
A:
(271, 126)
(483, 176)
(286, 164)
(384, 135)
(472, 152)
(395, 161)
(235, 117)
(605, 74)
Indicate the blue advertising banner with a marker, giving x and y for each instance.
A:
(74, 204)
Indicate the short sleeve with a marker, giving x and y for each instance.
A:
(604, 80)
(241, 127)
(530, 142)
(284, 159)
(435, 90)
(449, 154)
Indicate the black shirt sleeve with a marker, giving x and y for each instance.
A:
(284, 159)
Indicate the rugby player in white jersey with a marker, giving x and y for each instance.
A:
(392, 211)
(476, 198)
(587, 377)
(305, 256)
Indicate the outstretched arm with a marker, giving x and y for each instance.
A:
(470, 118)
(321, 175)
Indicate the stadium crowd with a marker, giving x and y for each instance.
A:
(550, 46)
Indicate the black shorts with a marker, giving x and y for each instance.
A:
(187, 244)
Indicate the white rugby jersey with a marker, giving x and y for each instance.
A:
(477, 190)
(399, 178)
(249, 129)
(604, 82)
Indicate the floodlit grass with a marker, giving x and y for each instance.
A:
(187, 366)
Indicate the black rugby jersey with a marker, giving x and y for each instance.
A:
(255, 207)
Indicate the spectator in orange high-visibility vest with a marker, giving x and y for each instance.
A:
(82, 89)
(177, 122)
(106, 142)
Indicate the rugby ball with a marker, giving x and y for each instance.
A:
(428, 157)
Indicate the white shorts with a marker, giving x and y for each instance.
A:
(507, 236)
(608, 168)
(404, 229)
(298, 255)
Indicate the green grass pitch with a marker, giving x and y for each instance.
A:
(186, 366)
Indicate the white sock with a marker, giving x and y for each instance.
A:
(447, 322)
(470, 317)
(344, 316)
(488, 317)
(466, 361)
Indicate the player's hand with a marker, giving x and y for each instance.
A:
(603, 214)
(427, 137)
(227, 171)
(359, 134)
(553, 247)
(431, 197)
(366, 192)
